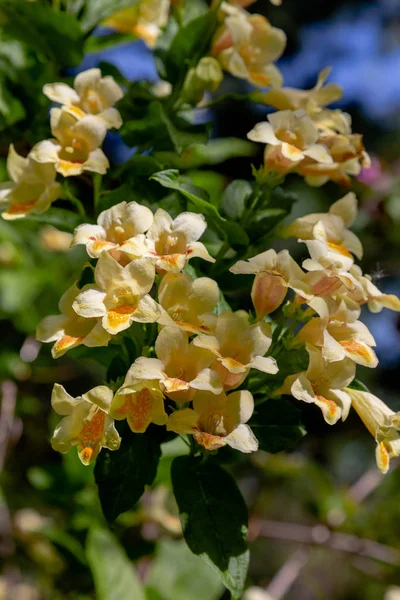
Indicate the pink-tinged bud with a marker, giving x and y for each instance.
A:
(268, 293)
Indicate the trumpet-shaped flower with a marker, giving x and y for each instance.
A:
(322, 384)
(338, 332)
(311, 101)
(217, 420)
(332, 258)
(381, 422)
(290, 137)
(181, 367)
(68, 329)
(347, 157)
(86, 423)
(274, 274)
(175, 240)
(76, 147)
(32, 189)
(92, 94)
(247, 45)
(331, 227)
(119, 295)
(188, 303)
(367, 292)
(140, 402)
(238, 347)
(119, 229)
(145, 20)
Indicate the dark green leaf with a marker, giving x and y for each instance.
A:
(113, 573)
(214, 518)
(95, 43)
(56, 35)
(98, 10)
(233, 202)
(235, 234)
(189, 45)
(122, 475)
(277, 426)
(58, 217)
(356, 384)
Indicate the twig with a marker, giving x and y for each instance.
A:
(287, 575)
(7, 411)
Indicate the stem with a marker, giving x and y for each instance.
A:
(97, 181)
(75, 201)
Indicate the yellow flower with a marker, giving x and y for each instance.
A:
(274, 274)
(331, 227)
(338, 332)
(119, 230)
(175, 240)
(32, 188)
(92, 94)
(246, 45)
(367, 292)
(68, 329)
(145, 20)
(347, 157)
(188, 303)
(291, 136)
(381, 422)
(119, 295)
(76, 147)
(181, 367)
(238, 347)
(322, 384)
(217, 420)
(140, 402)
(311, 101)
(86, 423)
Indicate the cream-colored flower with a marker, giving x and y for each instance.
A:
(367, 292)
(175, 240)
(290, 137)
(338, 332)
(188, 303)
(181, 367)
(69, 330)
(331, 227)
(274, 275)
(120, 294)
(54, 240)
(347, 154)
(32, 189)
(217, 420)
(238, 347)
(76, 147)
(322, 384)
(311, 101)
(246, 45)
(140, 402)
(329, 262)
(145, 20)
(382, 422)
(119, 230)
(86, 423)
(92, 94)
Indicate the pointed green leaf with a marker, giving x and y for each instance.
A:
(214, 518)
(277, 425)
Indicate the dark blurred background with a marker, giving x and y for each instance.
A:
(329, 482)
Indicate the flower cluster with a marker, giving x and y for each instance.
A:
(332, 289)
(79, 128)
(307, 138)
(199, 356)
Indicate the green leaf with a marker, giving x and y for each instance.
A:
(179, 575)
(56, 35)
(11, 109)
(222, 305)
(277, 425)
(214, 518)
(58, 217)
(95, 43)
(233, 202)
(113, 573)
(190, 43)
(356, 384)
(98, 10)
(122, 475)
(197, 196)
